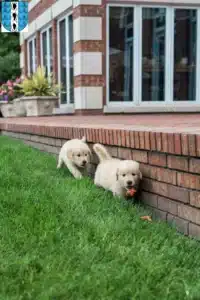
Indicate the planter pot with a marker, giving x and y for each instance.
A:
(19, 107)
(7, 109)
(39, 106)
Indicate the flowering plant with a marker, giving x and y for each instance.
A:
(10, 90)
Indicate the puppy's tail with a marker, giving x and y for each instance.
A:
(101, 152)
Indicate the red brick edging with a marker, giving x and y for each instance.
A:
(171, 180)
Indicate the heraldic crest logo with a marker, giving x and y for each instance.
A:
(14, 16)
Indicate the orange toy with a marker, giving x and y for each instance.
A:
(131, 193)
(146, 218)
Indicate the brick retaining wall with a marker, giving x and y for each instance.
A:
(171, 182)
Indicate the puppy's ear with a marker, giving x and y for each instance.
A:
(90, 152)
(83, 139)
(69, 154)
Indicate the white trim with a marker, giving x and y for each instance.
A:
(168, 104)
(66, 110)
(153, 108)
(47, 30)
(32, 4)
(33, 39)
(69, 105)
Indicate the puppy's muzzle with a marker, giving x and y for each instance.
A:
(84, 163)
(129, 184)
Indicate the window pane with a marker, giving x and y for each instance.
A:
(34, 56)
(63, 76)
(153, 54)
(31, 57)
(185, 37)
(44, 51)
(71, 61)
(121, 53)
(50, 50)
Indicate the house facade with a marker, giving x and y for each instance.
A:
(117, 56)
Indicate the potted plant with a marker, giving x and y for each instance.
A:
(17, 103)
(6, 100)
(40, 94)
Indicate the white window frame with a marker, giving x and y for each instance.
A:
(33, 39)
(137, 105)
(47, 30)
(66, 18)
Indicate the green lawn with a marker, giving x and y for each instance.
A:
(64, 239)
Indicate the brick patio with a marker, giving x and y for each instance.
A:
(167, 146)
(180, 123)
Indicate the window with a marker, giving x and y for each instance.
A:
(121, 54)
(46, 47)
(66, 67)
(185, 52)
(153, 55)
(31, 56)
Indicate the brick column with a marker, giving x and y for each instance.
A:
(55, 49)
(38, 50)
(88, 56)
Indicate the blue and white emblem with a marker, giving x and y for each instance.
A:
(14, 16)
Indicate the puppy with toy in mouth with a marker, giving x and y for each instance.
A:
(118, 176)
(75, 154)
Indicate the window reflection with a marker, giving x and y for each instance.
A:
(44, 51)
(50, 51)
(185, 37)
(71, 59)
(63, 73)
(153, 54)
(121, 53)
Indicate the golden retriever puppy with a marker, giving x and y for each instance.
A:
(115, 175)
(75, 154)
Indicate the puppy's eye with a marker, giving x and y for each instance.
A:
(133, 174)
(123, 175)
(78, 155)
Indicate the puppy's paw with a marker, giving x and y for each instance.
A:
(78, 176)
(117, 195)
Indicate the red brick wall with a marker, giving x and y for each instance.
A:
(171, 180)
(39, 8)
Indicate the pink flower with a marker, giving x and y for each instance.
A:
(17, 80)
(9, 83)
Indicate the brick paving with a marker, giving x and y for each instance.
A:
(171, 123)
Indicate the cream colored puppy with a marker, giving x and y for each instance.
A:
(115, 175)
(75, 154)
